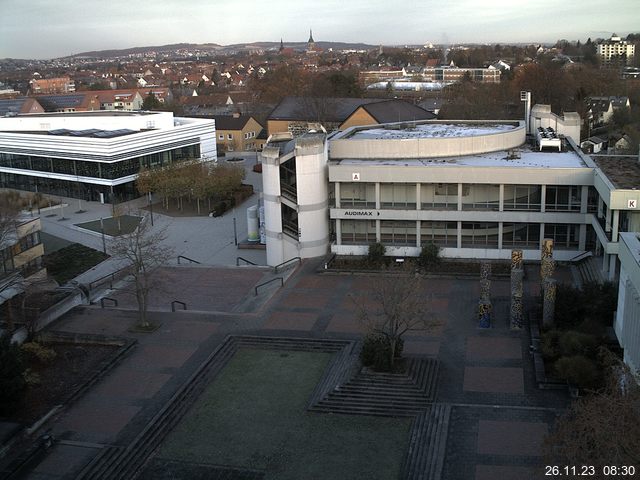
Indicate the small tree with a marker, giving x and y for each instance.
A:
(429, 255)
(375, 255)
(400, 305)
(597, 429)
(151, 102)
(12, 383)
(145, 252)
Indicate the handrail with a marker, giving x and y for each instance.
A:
(187, 258)
(586, 254)
(275, 269)
(115, 302)
(110, 276)
(173, 305)
(244, 260)
(268, 282)
(328, 263)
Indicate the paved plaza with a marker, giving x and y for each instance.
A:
(498, 416)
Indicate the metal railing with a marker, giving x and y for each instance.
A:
(115, 302)
(249, 262)
(294, 259)
(267, 283)
(111, 277)
(178, 302)
(329, 261)
(187, 258)
(581, 256)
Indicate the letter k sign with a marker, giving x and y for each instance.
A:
(632, 204)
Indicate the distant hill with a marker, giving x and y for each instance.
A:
(215, 48)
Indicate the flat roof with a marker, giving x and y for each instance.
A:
(622, 171)
(92, 113)
(524, 157)
(431, 130)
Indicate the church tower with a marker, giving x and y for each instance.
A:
(311, 44)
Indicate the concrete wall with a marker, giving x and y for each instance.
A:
(567, 124)
(627, 320)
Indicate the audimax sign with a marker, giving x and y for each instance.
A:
(361, 213)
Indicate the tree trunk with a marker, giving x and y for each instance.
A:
(198, 202)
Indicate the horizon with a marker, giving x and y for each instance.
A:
(97, 27)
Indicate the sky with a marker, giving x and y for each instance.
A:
(41, 29)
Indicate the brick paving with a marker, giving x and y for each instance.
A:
(498, 415)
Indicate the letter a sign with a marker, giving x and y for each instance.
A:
(355, 177)
(632, 204)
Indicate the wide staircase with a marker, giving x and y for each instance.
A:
(589, 270)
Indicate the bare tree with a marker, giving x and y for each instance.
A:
(599, 429)
(145, 252)
(399, 306)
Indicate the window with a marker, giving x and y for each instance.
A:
(358, 232)
(481, 197)
(522, 197)
(398, 196)
(357, 195)
(443, 234)
(442, 196)
(398, 232)
(221, 137)
(525, 235)
(564, 236)
(479, 235)
(230, 136)
(561, 198)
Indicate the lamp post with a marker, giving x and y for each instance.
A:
(150, 208)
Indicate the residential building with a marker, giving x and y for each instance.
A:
(15, 106)
(298, 115)
(52, 85)
(615, 50)
(96, 155)
(452, 74)
(236, 133)
(600, 110)
(21, 256)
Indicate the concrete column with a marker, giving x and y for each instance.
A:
(459, 200)
(582, 240)
(605, 262)
(584, 199)
(418, 239)
(612, 267)
(378, 236)
(338, 232)
(615, 225)
(337, 194)
(600, 207)
(500, 229)
(459, 240)
(543, 199)
(501, 201)
(541, 235)
(378, 198)
(607, 221)
(418, 196)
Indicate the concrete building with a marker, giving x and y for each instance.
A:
(476, 189)
(52, 85)
(627, 320)
(237, 133)
(96, 155)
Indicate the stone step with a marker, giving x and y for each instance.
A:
(376, 400)
(425, 456)
(341, 409)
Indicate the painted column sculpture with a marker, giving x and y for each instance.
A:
(484, 305)
(548, 264)
(517, 290)
(549, 302)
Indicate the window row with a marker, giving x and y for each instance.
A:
(445, 234)
(83, 168)
(444, 196)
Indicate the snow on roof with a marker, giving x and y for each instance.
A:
(435, 130)
(527, 159)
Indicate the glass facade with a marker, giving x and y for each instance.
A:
(479, 235)
(522, 197)
(398, 233)
(522, 235)
(358, 232)
(358, 195)
(104, 170)
(480, 197)
(443, 234)
(439, 196)
(401, 196)
(563, 198)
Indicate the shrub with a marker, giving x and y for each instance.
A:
(549, 344)
(375, 256)
(577, 343)
(38, 353)
(429, 255)
(12, 383)
(376, 352)
(578, 370)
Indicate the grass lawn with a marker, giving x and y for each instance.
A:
(69, 262)
(113, 228)
(253, 416)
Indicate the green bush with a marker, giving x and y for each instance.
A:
(578, 370)
(376, 255)
(376, 352)
(12, 382)
(549, 344)
(429, 255)
(595, 302)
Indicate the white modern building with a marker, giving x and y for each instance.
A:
(96, 155)
(476, 189)
(627, 321)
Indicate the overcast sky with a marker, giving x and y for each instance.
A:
(54, 28)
